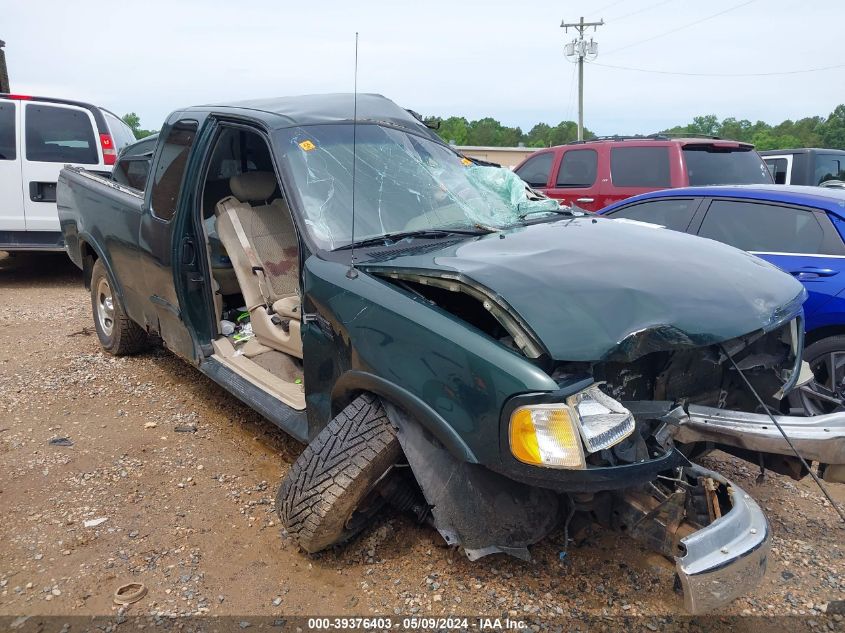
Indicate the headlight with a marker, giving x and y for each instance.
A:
(551, 434)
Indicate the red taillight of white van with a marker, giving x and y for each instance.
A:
(109, 152)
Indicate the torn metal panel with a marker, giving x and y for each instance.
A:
(482, 511)
(521, 336)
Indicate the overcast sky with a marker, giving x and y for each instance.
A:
(475, 59)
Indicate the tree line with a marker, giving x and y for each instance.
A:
(816, 131)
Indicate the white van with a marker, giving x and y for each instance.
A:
(39, 136)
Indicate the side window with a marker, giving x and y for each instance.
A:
(170, 168)
(8, 142)
(132, 172)
(829, 168)
(777, 167)
(640, 167)
(536, 169)
(763, 228)
(578, 168)
(121, 133)
(673, 213)
(56, 134)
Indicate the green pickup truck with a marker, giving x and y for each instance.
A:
(446, 341)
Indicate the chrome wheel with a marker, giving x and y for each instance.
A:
(105, 307)
(826, 393)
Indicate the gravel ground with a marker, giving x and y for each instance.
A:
(169, 481)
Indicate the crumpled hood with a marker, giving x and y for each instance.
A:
(599, 289)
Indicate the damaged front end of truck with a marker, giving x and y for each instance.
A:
(540, 366)
(616, 442)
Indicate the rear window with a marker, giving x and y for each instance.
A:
(59, 135)
(829, 168)
(578, 168)
(673, 213)
(132, 172)
(640, 167)
(711, 165)
(8, 142)
(536, 169)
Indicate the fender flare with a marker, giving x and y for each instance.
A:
(87, 240)
(354, 381)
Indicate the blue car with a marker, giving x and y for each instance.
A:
(799, 229)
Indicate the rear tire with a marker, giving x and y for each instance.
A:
(329, 493)
(118, 334)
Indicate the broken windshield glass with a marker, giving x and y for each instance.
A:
(403, 182)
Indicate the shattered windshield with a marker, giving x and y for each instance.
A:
(403, 182)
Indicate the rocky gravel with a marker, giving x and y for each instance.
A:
(155, 475)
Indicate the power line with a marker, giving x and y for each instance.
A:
(643, 10)
(609, 6)
(684, 26)
(687, 74)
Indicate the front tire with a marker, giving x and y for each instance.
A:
(118, 334)
(330, 493)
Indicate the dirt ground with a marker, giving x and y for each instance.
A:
(190, 514)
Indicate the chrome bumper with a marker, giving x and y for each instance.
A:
(820, 437)
(727, 558)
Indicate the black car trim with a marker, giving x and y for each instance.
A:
(97, 111)
(285, 417)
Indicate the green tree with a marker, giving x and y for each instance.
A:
(707, 125)
(538, 136)
(832, 132)
(454, 130)
(134, 122)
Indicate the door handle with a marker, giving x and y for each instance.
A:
(189, 253)
(813, 272)
(585, 200)
(42, 191)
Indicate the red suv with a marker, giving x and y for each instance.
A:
(594, 174)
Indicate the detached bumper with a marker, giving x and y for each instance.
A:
(727, 558)
(820, 437)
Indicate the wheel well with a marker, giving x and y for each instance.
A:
(89, 256)
(822, 333)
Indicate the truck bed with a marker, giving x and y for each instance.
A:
(91, 205)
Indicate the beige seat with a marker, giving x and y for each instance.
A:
(261, 242)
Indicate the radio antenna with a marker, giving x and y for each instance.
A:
(352, 273)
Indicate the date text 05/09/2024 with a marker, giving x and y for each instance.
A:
(417, 623)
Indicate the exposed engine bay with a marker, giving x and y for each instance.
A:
(704, 375)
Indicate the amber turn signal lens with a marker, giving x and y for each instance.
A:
(546, 435)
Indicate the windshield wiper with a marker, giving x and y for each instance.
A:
(561, 211)
(392, 238)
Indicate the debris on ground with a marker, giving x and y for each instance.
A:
(214, 545)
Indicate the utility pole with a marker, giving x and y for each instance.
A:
(577, 50)
(4, 74)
